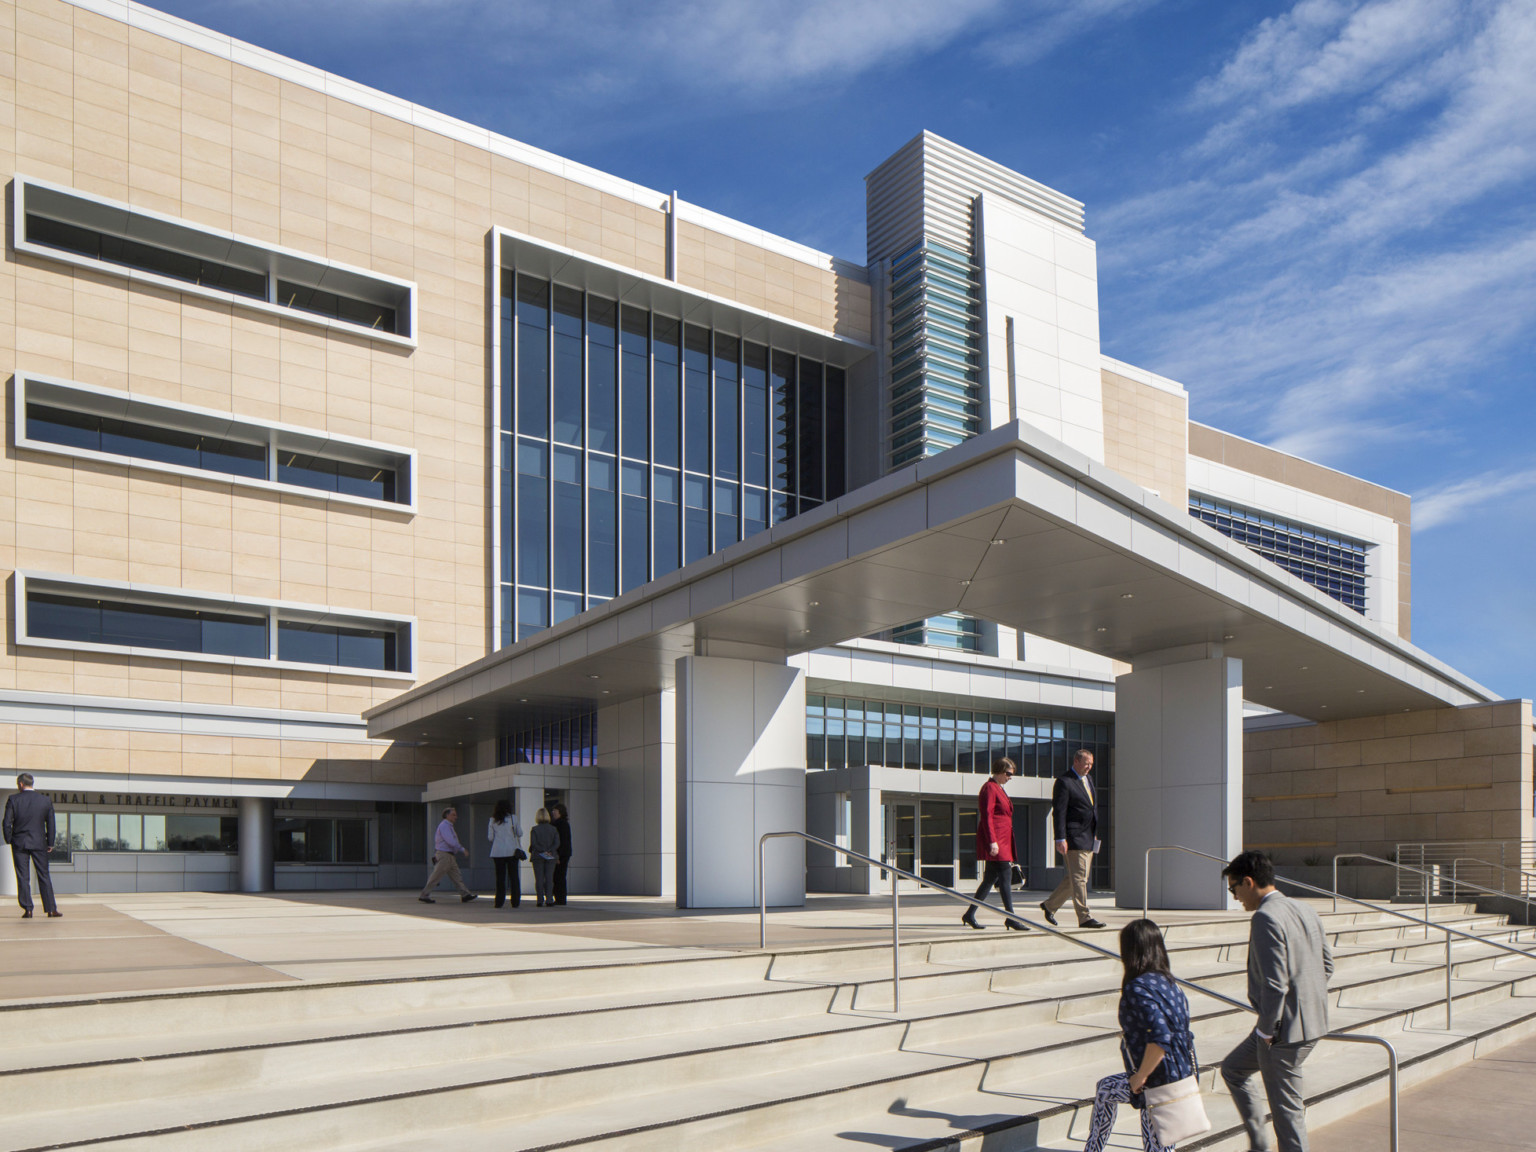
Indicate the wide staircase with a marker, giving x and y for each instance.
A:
(998, 1046)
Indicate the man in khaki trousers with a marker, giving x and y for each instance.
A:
(1075, 820)
(445, 860)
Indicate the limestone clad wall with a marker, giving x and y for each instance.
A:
(1367, 785)
(1146, 435)
(90, 103)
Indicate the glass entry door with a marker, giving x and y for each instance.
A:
(900, 834)
(937, 847)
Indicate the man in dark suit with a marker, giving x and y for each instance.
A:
(1076, 824)
(1289, 963)
(29, 831)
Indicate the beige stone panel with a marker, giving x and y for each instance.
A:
(1436, 746)
(1395, 748)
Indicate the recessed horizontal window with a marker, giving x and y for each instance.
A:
(60, 223)
(88, 620)
(309, 642)
(61, 416)
(97, 433)
(64, 612)
(369, 481)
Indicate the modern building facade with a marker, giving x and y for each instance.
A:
(363, 461)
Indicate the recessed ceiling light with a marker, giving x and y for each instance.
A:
(965, 583)
(469, 717)
(1324, 705)
(593, 676)
(815, 603)
(1304, 667)
(522, 699)
(999, 540)
(423, 733)
(1103, 629)
(1229, 636)
(1127, 595)
(805, 631)
(605, 691)
(1268, 686)
(1360, 691)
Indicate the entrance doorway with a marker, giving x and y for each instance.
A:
(920, 837)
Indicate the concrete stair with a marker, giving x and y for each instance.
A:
(999, 1045)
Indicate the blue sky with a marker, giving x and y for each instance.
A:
(1319, 216)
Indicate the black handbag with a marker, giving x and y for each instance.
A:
(1016, 876)
(519, 854)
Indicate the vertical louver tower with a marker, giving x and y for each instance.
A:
(930, 209)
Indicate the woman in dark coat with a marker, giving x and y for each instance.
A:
(562, 825)
(994, 843)
(1158, 1046)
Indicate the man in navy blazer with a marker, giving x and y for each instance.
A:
(1075, 818)
(29, 830)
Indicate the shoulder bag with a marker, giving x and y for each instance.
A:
(1176, 1109)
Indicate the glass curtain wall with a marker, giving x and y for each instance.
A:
(633, 443)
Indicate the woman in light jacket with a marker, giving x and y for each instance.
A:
(1158, 1046)
(543, 851)
(505, 835)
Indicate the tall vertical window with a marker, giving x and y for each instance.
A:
(783, 462)
(602, 373)
(696, 399)
(635, 488)
(632, 443)
(636, 389)
(669, 394)
(533, 357)
(568, 391)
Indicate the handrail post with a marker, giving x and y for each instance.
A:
(896, 943)
(1391, 1094)
(762, 896)
(1447, 979)
(1146, 882)
(1336, 882)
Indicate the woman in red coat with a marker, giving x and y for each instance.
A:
(994, 842)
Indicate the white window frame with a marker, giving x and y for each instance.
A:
(278, 437)
(318, 267)
(275, 611)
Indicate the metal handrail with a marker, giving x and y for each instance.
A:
(899, 874)
(1446, 928)
(1402, 868)
(1502, 868)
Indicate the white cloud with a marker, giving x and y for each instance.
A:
(1045, 25)
(1358, 235)
(1452, 502)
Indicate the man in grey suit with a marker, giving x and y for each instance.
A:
(1289, 964)
(29, 830)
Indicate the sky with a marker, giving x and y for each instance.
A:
(1320, 217)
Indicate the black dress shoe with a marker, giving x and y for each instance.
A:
(426, 900)
(468, 896)
(1017, 925)
(26, 913)
(969, 920)
(1050, 917)
(54, 913)
(1091, 923)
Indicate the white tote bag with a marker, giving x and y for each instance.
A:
(1177, 1111)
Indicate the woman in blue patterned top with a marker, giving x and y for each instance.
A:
(1157, 1044)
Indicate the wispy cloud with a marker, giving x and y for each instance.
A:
(1452, 502)
(1359, 233)
(1041, 27)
